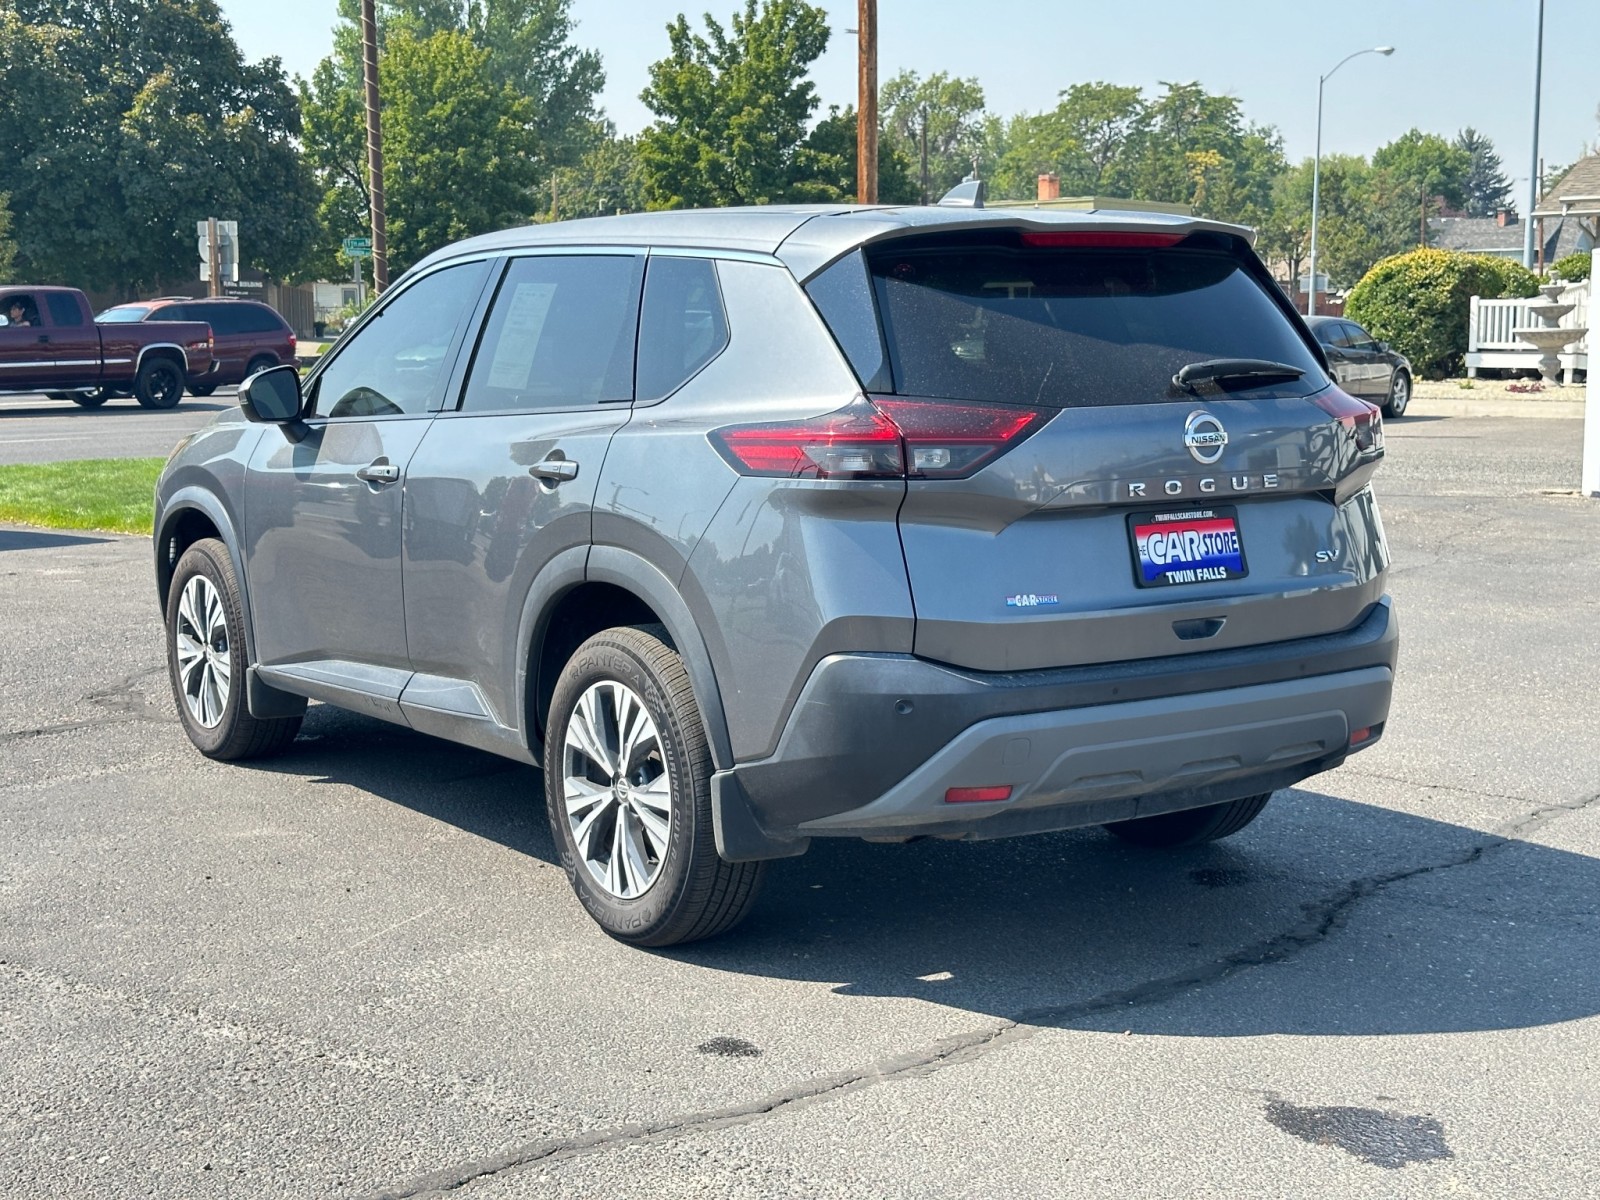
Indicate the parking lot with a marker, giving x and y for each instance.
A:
(36, 429)
(357, 971)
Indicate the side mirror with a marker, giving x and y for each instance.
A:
(273, 397)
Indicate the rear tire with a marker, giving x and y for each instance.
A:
(92, 399)
(204, 389)
(1192, 826)
(261, 362)
(627, 781)
(206, 660)
(159, 383)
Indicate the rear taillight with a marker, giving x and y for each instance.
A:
(294, 344)
(884, 437)
(1363, 420)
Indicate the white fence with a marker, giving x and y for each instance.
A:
(1491, 344)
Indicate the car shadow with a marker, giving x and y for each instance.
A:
(1394, 923)
(66, 409)
(31, 539)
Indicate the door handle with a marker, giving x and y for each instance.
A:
(44, 339)
(554, 470)
(379, 472)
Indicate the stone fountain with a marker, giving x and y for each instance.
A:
(1547, 337)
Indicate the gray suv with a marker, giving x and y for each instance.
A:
(756, 526)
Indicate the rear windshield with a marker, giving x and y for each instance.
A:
(122, 316)
(1074, 327)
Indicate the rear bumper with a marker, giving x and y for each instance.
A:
(875, 740)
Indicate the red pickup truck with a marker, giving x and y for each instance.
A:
(50, 343)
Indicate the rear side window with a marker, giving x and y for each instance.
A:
(64, 309)
(257, 318)
(223, 318)
(1070, 327)
(683, 325)
(178, 312)
(560, 335)
(843, 295)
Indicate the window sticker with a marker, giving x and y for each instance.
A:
(519, 335)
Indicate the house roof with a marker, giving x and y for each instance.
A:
(1576, 191)
(1483, 235)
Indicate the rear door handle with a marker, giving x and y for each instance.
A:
(554, 470)
(380, 471)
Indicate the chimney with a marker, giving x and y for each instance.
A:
(1050, 186)
(1504, 217)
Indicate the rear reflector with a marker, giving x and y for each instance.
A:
(1360, 735)
(884, 437)
(1103, 239)
(977, 794)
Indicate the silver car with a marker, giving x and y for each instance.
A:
(756, 526)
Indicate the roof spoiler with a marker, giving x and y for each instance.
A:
(969, 193)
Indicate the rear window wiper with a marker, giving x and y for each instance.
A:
(1251, 372)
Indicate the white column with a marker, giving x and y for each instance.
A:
(1591, 407)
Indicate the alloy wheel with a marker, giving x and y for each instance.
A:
(617, 789)
(205, 659)
(1399, 394)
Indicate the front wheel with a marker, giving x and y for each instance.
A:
(159, 383)
(627, 781)
(206, 660)
(1192, 826)
(1399, 395)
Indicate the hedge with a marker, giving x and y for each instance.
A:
(1572, 267)
(1418, 302)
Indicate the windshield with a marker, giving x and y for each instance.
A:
(1072, 327)
(123, 314)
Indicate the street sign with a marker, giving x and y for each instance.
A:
(227, 249)
(357, 247)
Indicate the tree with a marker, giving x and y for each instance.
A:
(1350, 233)
(950, 111)
(1417, 168)
(832, 143)
(8, 248)
(607, 178)
(525, 110)
(732, 107)
(1485, 190)
(124, 123)
(1082, 140)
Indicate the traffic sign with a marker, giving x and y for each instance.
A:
(357, 247)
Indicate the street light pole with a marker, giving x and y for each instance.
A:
(1533, 170)
(1316, 171)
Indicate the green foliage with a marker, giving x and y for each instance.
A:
(732, 107)
(8, 248)
(607, 179)
(1485, 190)
(1414, 169)
(491, 91)
(1419, 302)
(948, 111)
(832, 142)
(106, 493)
(1570, 267)
(123, 124)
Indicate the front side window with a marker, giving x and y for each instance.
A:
(559, 335)
(396, 363)
(19, 308)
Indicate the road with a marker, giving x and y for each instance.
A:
(34, 429)
(355, 970)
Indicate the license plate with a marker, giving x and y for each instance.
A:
(1197, 545)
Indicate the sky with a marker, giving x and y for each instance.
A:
(1456, 62)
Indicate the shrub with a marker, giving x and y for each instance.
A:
(1572, 267)
(1418, 302)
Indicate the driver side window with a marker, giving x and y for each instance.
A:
(396, 364)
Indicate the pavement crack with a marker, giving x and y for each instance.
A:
(124, 697)
(1320, 920)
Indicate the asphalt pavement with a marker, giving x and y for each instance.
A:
(356, 971)
(35, 429)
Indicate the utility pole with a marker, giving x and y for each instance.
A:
(213, 259)
(369, 74)
(867, 104)
(1533, 157)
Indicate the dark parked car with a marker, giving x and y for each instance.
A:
(1364, 366)
(757, 526)
(249, 336)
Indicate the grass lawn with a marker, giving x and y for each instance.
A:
(113, 494)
